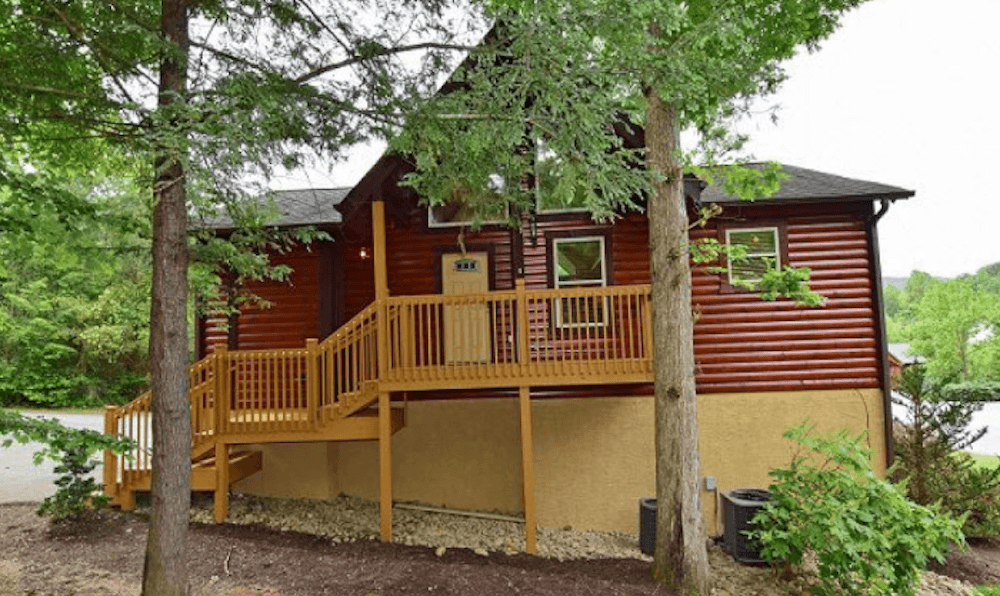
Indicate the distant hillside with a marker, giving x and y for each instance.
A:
(986, 278)
(897, 282)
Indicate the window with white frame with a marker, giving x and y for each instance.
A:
(580, 263)
(458, 213)
(464, 206)
(554, 193)
(762, 252)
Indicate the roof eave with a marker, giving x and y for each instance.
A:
(890, 196)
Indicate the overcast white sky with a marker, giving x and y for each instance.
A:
(906, 93)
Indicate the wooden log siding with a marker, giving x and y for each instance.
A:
(741, 342)
(294, 313)
(414, 254)
(745, 344)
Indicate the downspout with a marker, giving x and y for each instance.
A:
(871, 224)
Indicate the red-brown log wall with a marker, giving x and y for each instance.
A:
(741, 342)
(745, 344)
(293, 315)
(414, 254)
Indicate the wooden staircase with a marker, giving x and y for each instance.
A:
(324, 392)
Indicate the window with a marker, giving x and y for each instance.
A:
(554, 192)
(763, 252)
(459, 213)
(580, 263)
(462, 208)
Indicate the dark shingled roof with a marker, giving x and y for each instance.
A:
(307, 206)
(809, 186)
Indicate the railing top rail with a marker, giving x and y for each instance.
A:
(240, 354)
(630, 290)
(357, 321)
(635, 289)
(202, 364)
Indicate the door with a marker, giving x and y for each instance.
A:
(466, 326)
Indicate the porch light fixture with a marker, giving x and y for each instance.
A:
(363, 253)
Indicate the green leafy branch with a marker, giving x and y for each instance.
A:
(72, 450)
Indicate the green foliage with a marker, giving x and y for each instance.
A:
(73, 452)
(867, 537)
(953, 324)
(787, 282)
(74, 310)
(988, 590)
(929, 450)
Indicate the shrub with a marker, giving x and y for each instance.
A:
(867, 537)
(927, 450)
(73, 451)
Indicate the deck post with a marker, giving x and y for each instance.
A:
(378, 250)
(221, 501)
(221, 388)
(312, 381)
(381, 287)
(385, 465)
(110, 458)
(528, 471)
(522, 326)
(647, 331)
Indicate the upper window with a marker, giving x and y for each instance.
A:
(459, 213)
(763, 252)
(579, 263)
(554, 194)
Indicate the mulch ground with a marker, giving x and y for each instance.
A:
(104, 558)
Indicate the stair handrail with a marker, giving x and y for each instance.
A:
(134, 421)
(348, 357)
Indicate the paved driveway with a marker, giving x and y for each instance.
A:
(21, 479)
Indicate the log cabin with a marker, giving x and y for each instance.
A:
(509, 369)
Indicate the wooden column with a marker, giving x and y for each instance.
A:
(110, 458)
(381, 286)
(385, 465)
(528, 471)
(221, 503)
(384, 405)
(312, 381)
(522, 326)
(221, 389)
(378, 250)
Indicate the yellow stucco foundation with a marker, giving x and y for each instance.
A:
(593, 457)
(306, 470)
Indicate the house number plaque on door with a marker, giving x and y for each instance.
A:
(465, 265)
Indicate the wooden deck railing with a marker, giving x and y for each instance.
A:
(513, 336)
(495, 339)
(348, 359)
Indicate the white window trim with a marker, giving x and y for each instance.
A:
(776, 254)
(563, 210)
(576, 284)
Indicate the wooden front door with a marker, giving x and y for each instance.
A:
(466, 326)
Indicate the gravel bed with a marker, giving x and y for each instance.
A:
(347, 519)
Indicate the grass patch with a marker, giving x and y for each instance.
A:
(988, 590)
(981, 461)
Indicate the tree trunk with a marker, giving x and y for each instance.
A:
(165, 569)
(681, 559)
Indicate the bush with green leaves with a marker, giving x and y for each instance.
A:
(73, 450)
(867, 537)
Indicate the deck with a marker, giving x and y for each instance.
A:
(339, 389)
